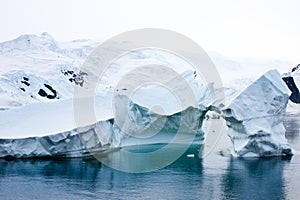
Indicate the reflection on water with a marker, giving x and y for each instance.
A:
(147, 158)
(187, 178)
(37, 179)
(254, 179)
(292, 171)
(292, 125)
(83, 179)
(218, 176)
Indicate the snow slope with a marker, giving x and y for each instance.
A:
(30, 63)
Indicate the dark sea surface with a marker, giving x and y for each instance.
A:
(217, 176)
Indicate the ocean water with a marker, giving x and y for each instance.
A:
(217, 176)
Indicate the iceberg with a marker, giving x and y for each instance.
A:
(255, 118)
(148, 126)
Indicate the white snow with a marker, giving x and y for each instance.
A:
(40, 119)
(42, 59)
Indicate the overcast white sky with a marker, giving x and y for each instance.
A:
(253, 28)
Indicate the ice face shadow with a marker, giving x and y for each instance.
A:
(255, 178)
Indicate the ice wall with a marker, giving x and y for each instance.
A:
(75, 143)
(152, 128)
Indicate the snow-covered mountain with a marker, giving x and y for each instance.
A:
(40, 69)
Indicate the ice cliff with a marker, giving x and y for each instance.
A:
(255, 118)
